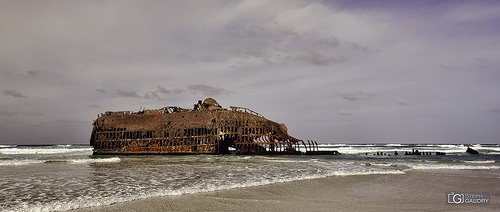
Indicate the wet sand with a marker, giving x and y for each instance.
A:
(411, 191)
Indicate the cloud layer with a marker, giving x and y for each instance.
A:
(13, 93)
(333, 71)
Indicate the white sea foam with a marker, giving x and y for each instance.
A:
(30, 151)
(76, 161)
(358, 150)
(348, 173)
(450, 145)
(165, 176)
(99, 201)
(92, 201)
(489, 148)
(449, 166)
(480, 161)
(97, 160)
(19, 162)
(290, 161)
(400, 148)
(320, 145)
(380, 164)
(390, 145)
(390, 148)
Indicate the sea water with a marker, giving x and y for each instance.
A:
(65, 177)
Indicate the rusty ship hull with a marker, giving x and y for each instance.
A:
(206, 129)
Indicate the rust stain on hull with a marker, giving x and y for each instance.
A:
(206, 129)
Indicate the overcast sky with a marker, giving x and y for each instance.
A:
(332, 71)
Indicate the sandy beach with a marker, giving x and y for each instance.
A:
(411, 191)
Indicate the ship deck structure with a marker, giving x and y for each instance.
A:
(208, 128)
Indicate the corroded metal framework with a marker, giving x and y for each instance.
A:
(206, 129)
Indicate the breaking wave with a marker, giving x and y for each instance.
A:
(199, 187)
(97, 160)
(449, 166)
(127, 178)
(72, 161)
(479, 161)
(31, 151)
(19, 162)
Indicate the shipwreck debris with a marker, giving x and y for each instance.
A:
(472, 151)
(208, 128)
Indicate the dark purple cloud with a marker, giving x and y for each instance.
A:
(206, 89)
(126, 93)
(13, 93)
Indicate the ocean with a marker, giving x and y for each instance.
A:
(65, 177)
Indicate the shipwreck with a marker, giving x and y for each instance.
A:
(208, 128)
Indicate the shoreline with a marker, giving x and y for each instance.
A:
(414, 191)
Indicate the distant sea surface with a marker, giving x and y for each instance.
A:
(65, 177)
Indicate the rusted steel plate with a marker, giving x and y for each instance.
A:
(206, 129)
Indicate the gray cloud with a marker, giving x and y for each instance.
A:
(206, 89)
(170, 91)
(151, 95)
(276, 45)
(445, 66)
(13, 93)
(252, 31)
(63, 121)
(33, 114)
(495, 110)
(33, 73)
(344, 113)
(160, 89)
(125, 93)
(355, 96)
(481, 60)
(357, 46)
(8, 113)
(331, 42)
(263, 50)
(402, 102)
(7, 74)
(317, 59)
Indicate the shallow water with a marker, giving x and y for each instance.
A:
(63, 177)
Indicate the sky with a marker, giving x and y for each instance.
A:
(332, 71)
